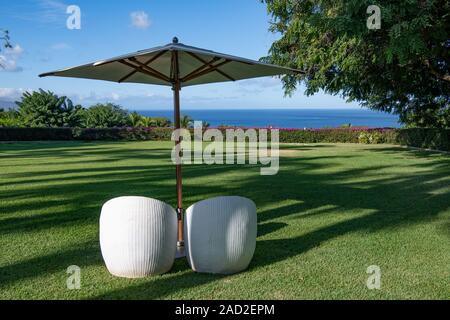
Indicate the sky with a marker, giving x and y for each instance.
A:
(42, 42)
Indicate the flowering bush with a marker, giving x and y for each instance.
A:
(371, 137)
(341, 135)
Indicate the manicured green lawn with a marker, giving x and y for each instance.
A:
(332, 211)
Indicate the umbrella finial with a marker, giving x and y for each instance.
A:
(175, 40)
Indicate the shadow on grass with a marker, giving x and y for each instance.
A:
(161, 286)
(86, 254)
(397, 200)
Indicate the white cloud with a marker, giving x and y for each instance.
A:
(94, 97)
(123, 98)
(9, 58)
(140, 20)
(12, 94)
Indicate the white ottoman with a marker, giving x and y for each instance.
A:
(220, 234)
(138, 236)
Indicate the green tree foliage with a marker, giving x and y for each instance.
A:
(146, 122)
(134, 119)
(10, 119)
(105, 116)
(403, 67)
(45, 109)
(186, 122)
(162, 122)
(428, 118)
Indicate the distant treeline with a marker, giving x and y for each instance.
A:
(44, 109)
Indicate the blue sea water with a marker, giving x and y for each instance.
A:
(285, 118)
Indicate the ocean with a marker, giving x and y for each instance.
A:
(285, 118)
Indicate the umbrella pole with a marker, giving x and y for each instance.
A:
(176, 96)
(176, 87)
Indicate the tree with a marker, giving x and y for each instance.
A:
(439, 118)
(162, 122)
(105, 116)
(205, 124)
(45, 109)
(186, 122)
(402, 68)
(10, 119)
(146, 122)
(135, 119)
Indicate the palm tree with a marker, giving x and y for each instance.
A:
(135, 119)
(186, 122)
(146, 122)
(205, 125)
(162, 122)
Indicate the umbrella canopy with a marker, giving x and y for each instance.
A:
(173, 62)
(176, 65)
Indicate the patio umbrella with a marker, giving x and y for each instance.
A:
(175, 65)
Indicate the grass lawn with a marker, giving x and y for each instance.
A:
(332, 211)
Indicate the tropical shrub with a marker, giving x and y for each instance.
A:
(371, 137)
(146, 122)
(134, 118)
(162, 122)
(10, 119)
(364, 137)
(46, 110)
(105, 116)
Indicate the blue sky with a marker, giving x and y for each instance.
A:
(42, 42)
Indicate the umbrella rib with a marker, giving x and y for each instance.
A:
(152, 59)
(132, 73)
(142, 70)
(210, 64)
(212, 68)
(150, 69)
(205, 65)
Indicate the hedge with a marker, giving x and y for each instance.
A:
(64, 134)
(35, 134)
(437, 139)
